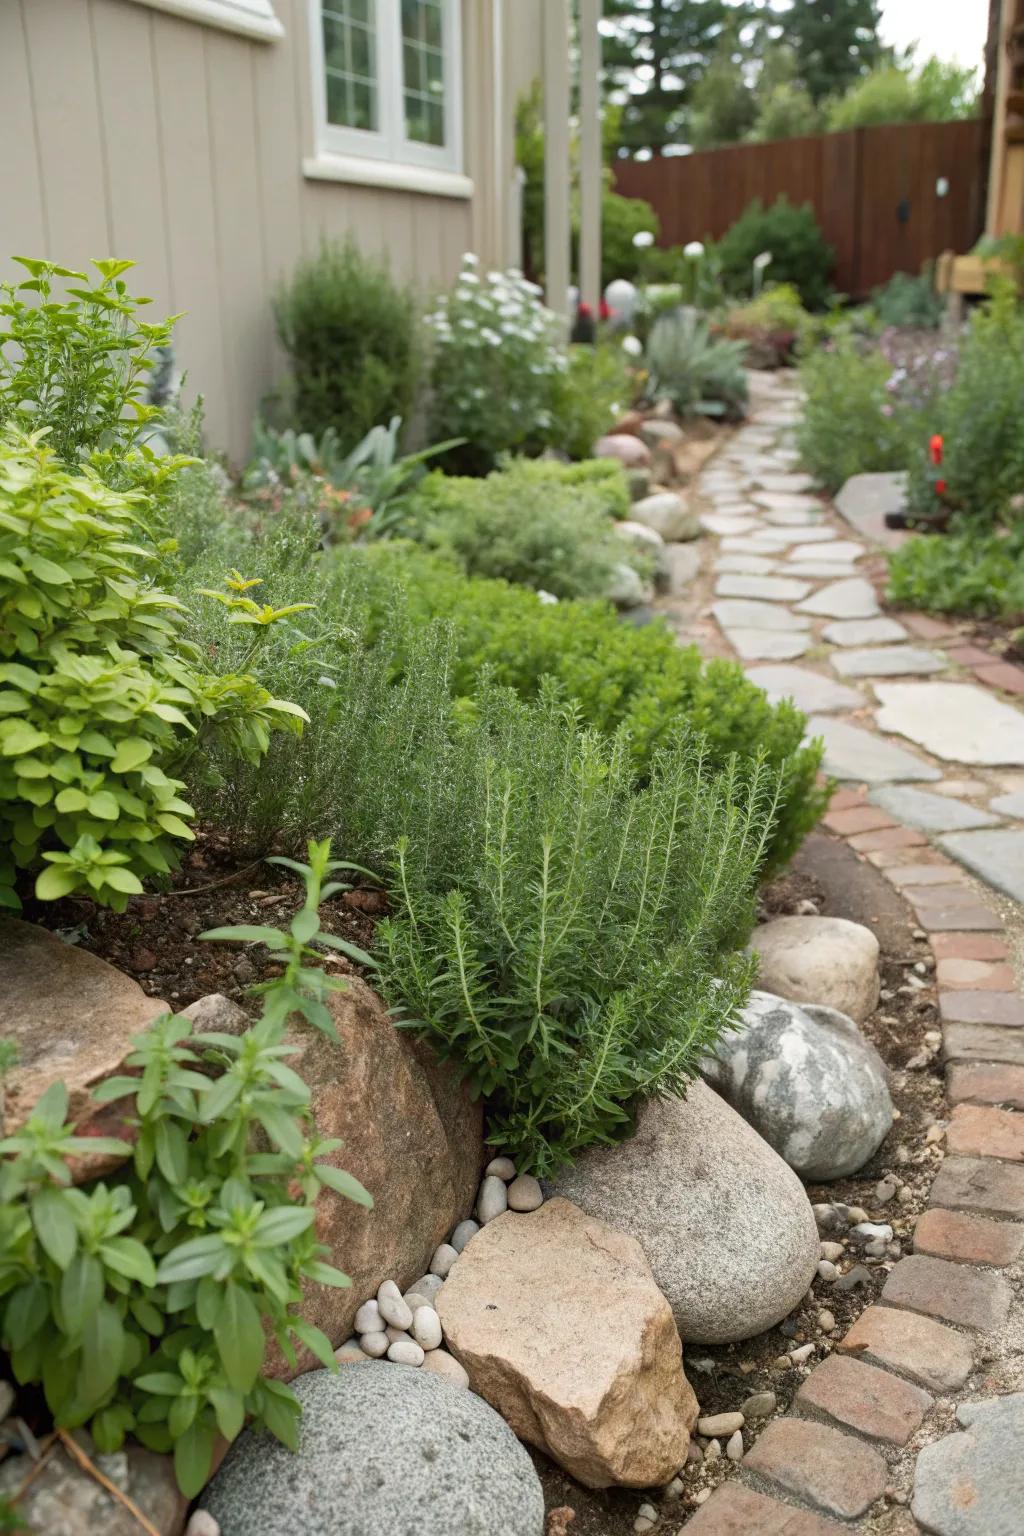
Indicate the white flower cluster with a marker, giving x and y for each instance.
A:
(496, 352)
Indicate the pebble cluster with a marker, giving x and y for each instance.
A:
(406, 1328)
(716, 1435)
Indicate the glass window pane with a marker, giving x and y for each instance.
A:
(423, 71)
(350, 59)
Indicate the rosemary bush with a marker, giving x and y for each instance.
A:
(574, 962)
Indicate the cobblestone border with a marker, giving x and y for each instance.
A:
(823, 1467)
(988, 667)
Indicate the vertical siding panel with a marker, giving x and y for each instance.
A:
(191, 232)
(62, 66)
(22, 219)
(127, 94)
(244, 296)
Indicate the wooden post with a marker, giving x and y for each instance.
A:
(590, 154)
(556, 155)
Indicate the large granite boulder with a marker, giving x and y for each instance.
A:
(72, 1017)
(383, 1450)
(826, 960)
(808, 1082)
(411, 1136)
(668, 514)
(726, 1226)
(562, 1329)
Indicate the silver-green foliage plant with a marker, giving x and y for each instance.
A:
(144, 1304)
(571, 954)
(701, 374)
(102, 698)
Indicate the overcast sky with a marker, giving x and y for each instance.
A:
(950, 29)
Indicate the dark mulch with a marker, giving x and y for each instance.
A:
(157, 939)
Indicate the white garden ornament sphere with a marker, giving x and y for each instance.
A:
(620, 296)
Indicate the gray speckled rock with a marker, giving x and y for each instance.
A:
(385, 1452)
(972, 1484)
(726, 1226)
(808, 1081)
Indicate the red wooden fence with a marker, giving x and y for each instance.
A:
(877, 192)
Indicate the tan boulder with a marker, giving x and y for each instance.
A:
(558, 1321)
(824, 960)
(72, 1017)
(411, 1136)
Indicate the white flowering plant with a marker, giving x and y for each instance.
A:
(496, 361)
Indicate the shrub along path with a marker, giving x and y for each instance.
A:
(924, 1399)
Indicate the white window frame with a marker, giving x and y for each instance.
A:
(247, 18)
(386, 157)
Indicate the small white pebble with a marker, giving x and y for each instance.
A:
(202, 1523)
(462, 1234)
(414, 1300)
(405, 1352)
(642, 1523)
(734, 1446)
(673, 1492)
(500, 1168)
(375, 1345)
(702, 1496)
(827, 1271)
(832, 1251)
(713, 1450)
(443, 1364)
(492, 1200)
(798, 1356)
(393, 1309)
(712, 1424)
(826, 1322)
(426, 1328)
(395, 1335)
(368, 1318)
(649, 1511)
(444, 1258)
(525, 1193)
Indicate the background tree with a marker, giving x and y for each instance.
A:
(835, 42)
(935, 93)
(785, 109)
(723, 104)
(658, 52)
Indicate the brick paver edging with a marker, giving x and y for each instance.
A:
(821, 1468)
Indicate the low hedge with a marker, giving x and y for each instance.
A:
(619, 675)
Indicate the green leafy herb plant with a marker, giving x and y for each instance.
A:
(144, 1304)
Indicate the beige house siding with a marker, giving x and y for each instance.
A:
(127, 131)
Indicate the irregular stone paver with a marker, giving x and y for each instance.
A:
(853, 599)
(865, 499)
(954, 1293)
(863, 1398)
(955, 721)
(888, 661)
(932, 813)
(794, 518)
(968, 1239)
(734, 1510)
(773, 589)
(718, 522)
(748, 613)
(840, 549)
(836, 1474)
(767, 644)
(861, 757)
(819, 533)
(930, 1353)
(1009, 805)
(783, 480)
(810, 691)
(997, 856)
(837, 570)
(863, 631)
(972, 1484)
(747, 565)
(786, 501)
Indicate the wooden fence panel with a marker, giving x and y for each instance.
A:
(875, 191)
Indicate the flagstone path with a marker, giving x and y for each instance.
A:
(916, 1422)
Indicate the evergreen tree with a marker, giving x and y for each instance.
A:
(659, 51)
(835, 41)
(723, 105)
